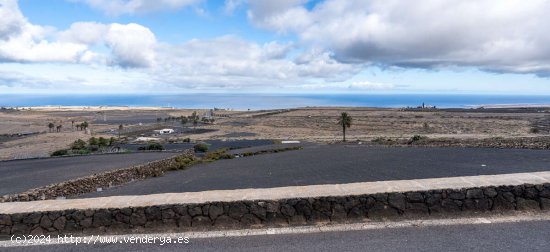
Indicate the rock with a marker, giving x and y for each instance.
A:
(19, 229)
(215, 210)
(530, 193)
(153, 213)
(474, 194)
(45, 222)
(120, 217)
(33, 218)
(37, 231)
(415, 197)
(448, 205)
(5, 220)
(477, 204)
(180, 210)
(527, 205)
(318, 217)
(490, 192)
(184, 221)
(126, 211)
(237, 210)
(205, 209)
(288, 210)
(456, 195)
(86, 222)
(59, 223)
(416, 209)
(194, 211)
(545, 193)
(397, 200)
(201, 222)
(381, 211)
(272, 206)
(259, 211)
(138, 219)
(102, 218)
(168, 214)
(545, 204)
(356, 212)
(338, 213)
(501, 203)
(225, 221)
(433, 199)
(297, 220)
(517, 190)
(250, 220)
(303, 207)
(322, 206)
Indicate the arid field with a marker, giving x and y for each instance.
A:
(24, 133)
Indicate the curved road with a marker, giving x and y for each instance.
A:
(334, 164)
(20, 175)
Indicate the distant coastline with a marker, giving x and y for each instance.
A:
(270, 101)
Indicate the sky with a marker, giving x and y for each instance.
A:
(274, 46)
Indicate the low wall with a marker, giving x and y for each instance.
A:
(283, 206)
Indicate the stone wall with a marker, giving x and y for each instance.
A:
(101, 180)
(278, 212)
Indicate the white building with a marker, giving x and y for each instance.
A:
(164, 131)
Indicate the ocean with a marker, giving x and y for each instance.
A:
(272, 101)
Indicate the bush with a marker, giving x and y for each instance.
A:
(534, 130)
(217, 155)
(184, 162)
(60, 153)
(201, 147)
(187, 140)
(93, 141)
(78, 145)
(153, 146)
(103, 142)
(416, 138)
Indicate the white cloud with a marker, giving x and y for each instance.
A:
(12, 20)
(120, 7)
(371, 85)
(132, 45)
(494, 35)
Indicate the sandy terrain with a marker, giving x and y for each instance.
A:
(313, 124)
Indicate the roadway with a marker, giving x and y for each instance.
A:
(515, 236)
(335, 164)
(21, 175)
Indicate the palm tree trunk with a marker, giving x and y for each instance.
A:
(344, 130)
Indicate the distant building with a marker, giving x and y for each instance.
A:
(164, 131)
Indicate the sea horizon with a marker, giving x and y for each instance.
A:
(245, 101)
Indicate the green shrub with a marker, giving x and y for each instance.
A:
(60, 153)
(93, 141)
(184, 162)
(153, 146)
(103, 142)
(201, 147)
(217, 155)
(78, 145)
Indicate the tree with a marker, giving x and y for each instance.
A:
(51, 126)
(184, 120)
(84, 125)
(120, 128)
(345, 121)
(93, 141)
(59, 128)
(72, 125)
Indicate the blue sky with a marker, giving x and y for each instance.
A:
(270, 46)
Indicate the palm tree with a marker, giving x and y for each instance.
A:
(72, 125)
(51, 125)
(345, 121)
(120, 128)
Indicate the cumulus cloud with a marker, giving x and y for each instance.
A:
(12, 20)
(507, 36)
(131, 45)
(229, 61)
(120, 7)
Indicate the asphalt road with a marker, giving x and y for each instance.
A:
(521, 236)
(334, 164)
(21, 175)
